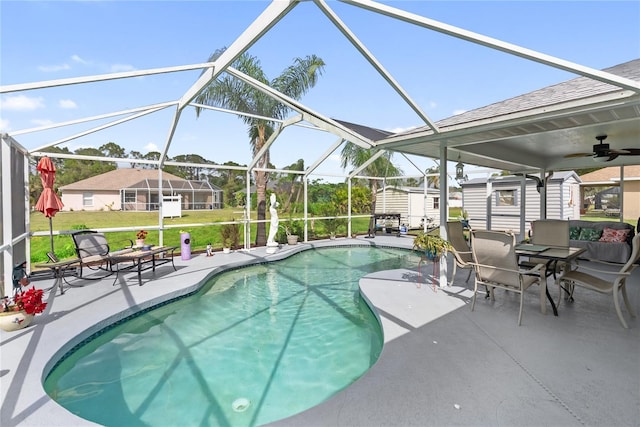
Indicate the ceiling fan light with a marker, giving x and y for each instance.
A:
(601, 159)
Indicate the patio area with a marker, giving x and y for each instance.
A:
(441, 364)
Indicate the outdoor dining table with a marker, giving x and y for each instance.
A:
(553, 255)
(142, 260)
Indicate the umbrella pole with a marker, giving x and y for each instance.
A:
(51, 234)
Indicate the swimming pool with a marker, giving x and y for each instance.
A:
(255, 345)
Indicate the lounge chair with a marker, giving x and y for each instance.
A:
(93, 251)
(606, 282)
(496, 265)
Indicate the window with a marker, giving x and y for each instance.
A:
(87, 199)
(506, 198)
(129, 196)
(436, 203)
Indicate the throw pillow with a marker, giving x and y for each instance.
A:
(590, 234)
(574, 233)
(614, 236)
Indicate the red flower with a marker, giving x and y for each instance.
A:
(30, 301)
(141, 234)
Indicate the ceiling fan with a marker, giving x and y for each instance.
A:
(602, 152)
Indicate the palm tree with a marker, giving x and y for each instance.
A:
(381, 167)
(231, 93)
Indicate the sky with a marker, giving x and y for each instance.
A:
(49, 40)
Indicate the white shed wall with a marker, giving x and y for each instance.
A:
(409, 204)
(561, 203)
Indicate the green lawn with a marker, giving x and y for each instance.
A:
(200, 235)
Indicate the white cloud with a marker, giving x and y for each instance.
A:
(67, 104)
(117, 68)
(76, 58)
(4, 125)
(335, 158)
(21, 103)
(398, 130)
(53, 68)
(151, 147)
(456, 112)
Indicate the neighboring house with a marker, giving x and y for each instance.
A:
(131, 189)
(455, 199)
(494, 203)
(610, 177)
(411, 203)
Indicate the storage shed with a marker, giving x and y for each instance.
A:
(412, 203)
(495, 203)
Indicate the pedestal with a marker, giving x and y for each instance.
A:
(272, 247)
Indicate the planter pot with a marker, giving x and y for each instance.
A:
(226, 250)
(332, 236)
(139, 243)
(14, 320)
(292, 239)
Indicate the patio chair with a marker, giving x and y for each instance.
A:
(496, 266)
(605, 282)
(93, 252)
(549, 232)
(462, 255)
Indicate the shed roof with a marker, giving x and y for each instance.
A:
(556, 176)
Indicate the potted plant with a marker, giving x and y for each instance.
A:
(292, 229)
(332, 226)
(18, 312)
(464, 219)
(432, 245)
(230, 234)
(140, 236)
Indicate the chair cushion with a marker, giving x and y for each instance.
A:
(574, 233)
(614, 236)
(590, 234)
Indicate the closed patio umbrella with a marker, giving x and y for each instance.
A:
(49, 203)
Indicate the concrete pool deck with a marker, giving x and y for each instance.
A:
(441, 364)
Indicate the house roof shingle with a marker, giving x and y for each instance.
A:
(610, 173)
(118, 179)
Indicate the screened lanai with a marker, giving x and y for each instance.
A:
(532, 133)
(192, 194)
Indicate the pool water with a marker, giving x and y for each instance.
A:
(255, 345)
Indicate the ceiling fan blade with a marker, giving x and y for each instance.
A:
(622, 151)
(568, 156)
(630, 152)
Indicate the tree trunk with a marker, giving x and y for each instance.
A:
(374, 199)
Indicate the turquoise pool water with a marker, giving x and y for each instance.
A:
(255, 345)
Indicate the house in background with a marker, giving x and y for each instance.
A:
(608, 179)
(411, 203)
(494, 203)
(130, 189)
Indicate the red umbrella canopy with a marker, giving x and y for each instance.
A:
(49, 203)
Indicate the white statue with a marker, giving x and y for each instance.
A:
(273, 228)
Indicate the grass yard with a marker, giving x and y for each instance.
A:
(200, 235)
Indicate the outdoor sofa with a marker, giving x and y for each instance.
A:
(600, 245)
